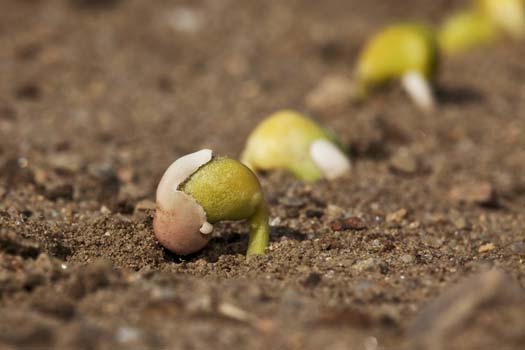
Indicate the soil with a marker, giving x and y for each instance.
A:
(421, 246)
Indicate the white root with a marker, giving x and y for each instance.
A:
(329, 159)
(419, 90)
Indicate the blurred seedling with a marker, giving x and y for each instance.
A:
(199, 190)
(404, 52)
(482, 24)
(291, 141)
(464, 31)
(507, 15)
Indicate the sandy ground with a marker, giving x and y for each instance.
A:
(421, 246)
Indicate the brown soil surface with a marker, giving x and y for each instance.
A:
(98, 97)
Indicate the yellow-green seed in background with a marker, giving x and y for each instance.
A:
(508, 15)
(283, 141)
(466, 30)
(395, 51)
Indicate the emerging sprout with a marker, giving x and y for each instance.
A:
(289, 140)
(482, 24)
(198, 190)
(507, 15)
(466, 30)
(406, 52)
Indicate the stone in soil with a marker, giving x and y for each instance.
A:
(351, 223)
(403, 162)
(475, 192)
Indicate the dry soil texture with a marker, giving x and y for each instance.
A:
(421, 246)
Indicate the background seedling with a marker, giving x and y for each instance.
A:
(481, 24)
(404, 52)
(197, 191)
(507, 15)
(466, 30)
(289, 140)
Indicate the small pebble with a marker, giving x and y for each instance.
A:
(397, 216)
(486, 248)
(333, 92)
(460, 223)
(105, 210)
(65, 162)
(351, 223)
(404, 162)
(478, 192)
(414, 225)
(276, 221)
(355, 223)
(365, 265)
(337, 225)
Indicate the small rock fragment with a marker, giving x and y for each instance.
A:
(460, 223)
(403, 162)
(396, 216)
(337, 225)
(351, 223)
(365, 265)
(333, 92)
(478, 192)
(414, 225)
(65, 162)
(355, 223)
(105, 210)
(486, 248)
(234, 312)
(276, 221)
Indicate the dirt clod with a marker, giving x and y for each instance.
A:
(479, 192)
(331, 94)
(397, 216)
(404, 162)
